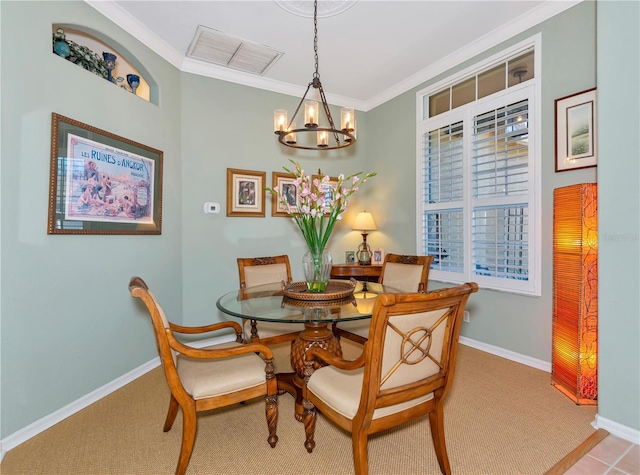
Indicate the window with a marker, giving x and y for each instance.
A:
(478, 210)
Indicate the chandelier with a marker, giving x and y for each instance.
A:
(314, 136)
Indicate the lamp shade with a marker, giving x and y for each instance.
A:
(575, 292)
(364, 222)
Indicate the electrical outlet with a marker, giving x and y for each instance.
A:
(466, 317)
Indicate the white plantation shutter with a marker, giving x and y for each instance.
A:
(499, 184)
(443, 225)
(476, 210)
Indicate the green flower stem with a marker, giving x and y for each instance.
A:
(315, 212)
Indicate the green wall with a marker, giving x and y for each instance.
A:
(68, 324)
(619, 212)
(224, 126)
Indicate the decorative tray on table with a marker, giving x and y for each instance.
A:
(336, 289)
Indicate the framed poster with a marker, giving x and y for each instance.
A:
(101, 183)
(245, 193)
(576, 131)
(284, 184)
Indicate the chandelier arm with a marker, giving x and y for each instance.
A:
(328, 113)
(293, 117)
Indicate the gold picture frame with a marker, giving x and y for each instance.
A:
(284, 184)
(102, 183)
(245, 193)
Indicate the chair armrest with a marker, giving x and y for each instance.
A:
(205, 328)
(333, 360)
(209, 353)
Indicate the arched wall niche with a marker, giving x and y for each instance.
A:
(125, 62)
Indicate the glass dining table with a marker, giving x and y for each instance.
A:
(275, 303)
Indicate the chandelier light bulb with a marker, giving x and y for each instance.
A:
(279, 121)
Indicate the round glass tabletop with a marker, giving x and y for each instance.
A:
(269, 304)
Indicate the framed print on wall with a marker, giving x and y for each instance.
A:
(101, 183)
(327, 189)
(284, 184)
(576, 131)
(245, 193)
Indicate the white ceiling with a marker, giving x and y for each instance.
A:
(367, 55)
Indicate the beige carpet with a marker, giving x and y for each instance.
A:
(501, 418)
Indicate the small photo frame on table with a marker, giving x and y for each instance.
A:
(378, 257)
(327, 189)
(576, 131)
(350, 257)
(245, 193)
(101, 183)
(284, 184)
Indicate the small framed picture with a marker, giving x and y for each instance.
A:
(284, 184)
(378, 257)
(350, 257)
(245, 193)
(576, 131)
(327, 190)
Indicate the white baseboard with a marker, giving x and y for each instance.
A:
(508, 354)
(624, 432)
(46, 422)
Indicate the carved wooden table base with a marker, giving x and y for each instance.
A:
(315, 334)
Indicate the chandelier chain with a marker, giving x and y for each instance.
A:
(315, 36)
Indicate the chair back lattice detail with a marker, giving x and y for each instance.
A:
(413, 347)
(405, 371)
(400, 273)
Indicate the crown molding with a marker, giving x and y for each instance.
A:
(542, 13)
(120, 17)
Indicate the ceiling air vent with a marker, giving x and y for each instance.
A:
(219, 48)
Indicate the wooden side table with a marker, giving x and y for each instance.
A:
(357, 271)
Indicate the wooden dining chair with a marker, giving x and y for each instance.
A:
(405, 273)
(208, 378)
(255, 271)
(405, 371)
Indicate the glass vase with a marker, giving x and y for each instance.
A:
(316, 264)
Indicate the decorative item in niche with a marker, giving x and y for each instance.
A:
(102, 183)
(83, 56)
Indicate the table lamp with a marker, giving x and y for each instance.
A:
(364, 222)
